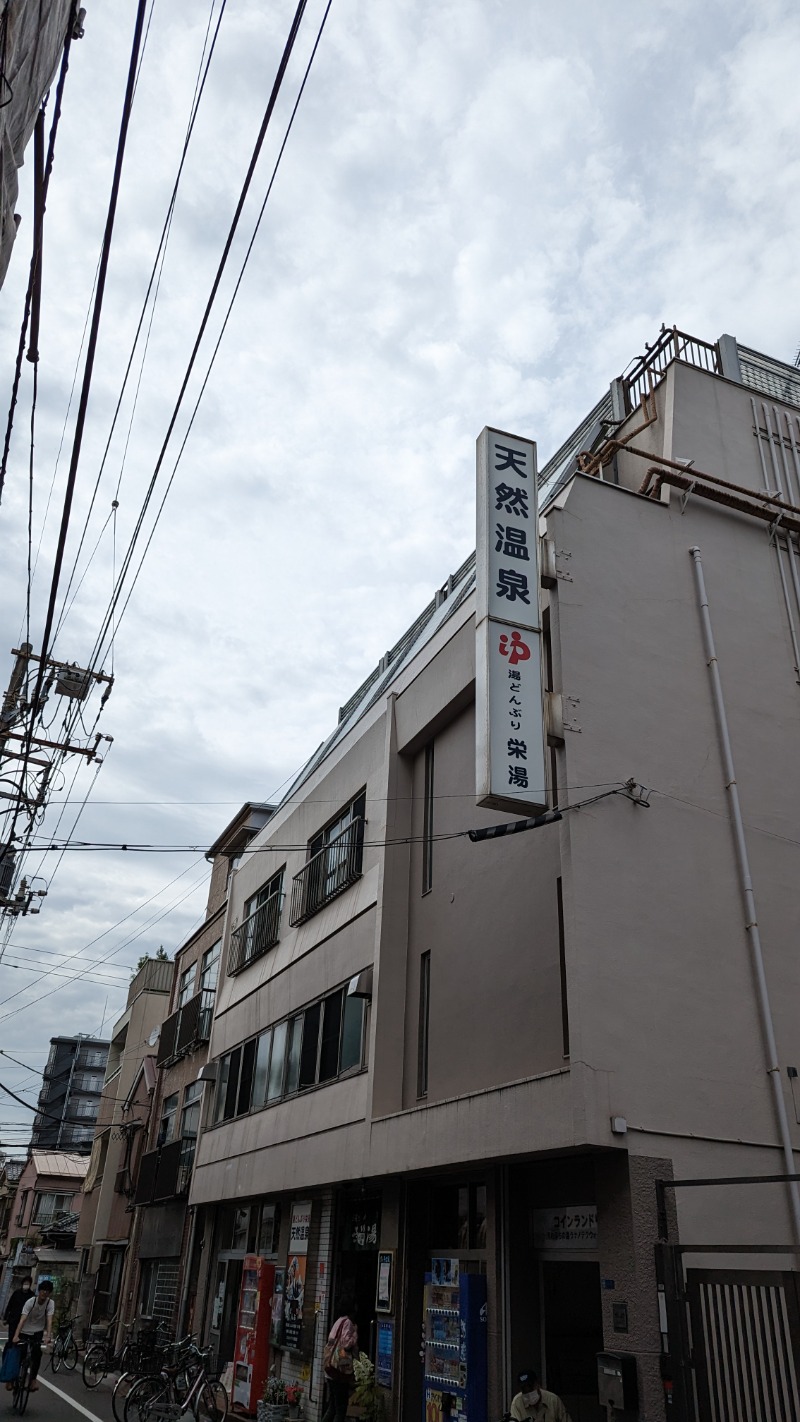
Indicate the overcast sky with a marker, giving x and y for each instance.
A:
(485, 209)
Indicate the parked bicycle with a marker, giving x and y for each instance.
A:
(185, 1386)
(65, 1350)
(137, 1354)
(148, 1367)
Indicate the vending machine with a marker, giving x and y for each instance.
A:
(455, 1344)
(251, 1360)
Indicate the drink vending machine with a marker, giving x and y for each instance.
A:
(251, 1360)
(455, 1344)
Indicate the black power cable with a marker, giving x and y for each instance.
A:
(205, 64)
(83, 403)
(262, 133)
(224, 325)
(35, 255)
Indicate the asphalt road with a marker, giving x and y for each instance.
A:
(62, 1397)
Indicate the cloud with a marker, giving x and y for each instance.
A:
(484, 211)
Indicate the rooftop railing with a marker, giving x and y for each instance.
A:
(671, 344)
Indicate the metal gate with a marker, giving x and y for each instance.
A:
(745, 1342)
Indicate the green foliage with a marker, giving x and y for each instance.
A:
(367, 1394)
(160, 957)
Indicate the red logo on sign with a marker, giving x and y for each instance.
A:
(518, 651)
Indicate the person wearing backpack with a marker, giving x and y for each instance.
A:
(36, 1324)
(338, 1357)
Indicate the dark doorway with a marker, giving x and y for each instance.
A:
(573, 1333)
(357, 1264)
(230, 1310)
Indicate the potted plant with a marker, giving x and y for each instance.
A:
(367, 1400)
(294, 1398)
(274, 1406)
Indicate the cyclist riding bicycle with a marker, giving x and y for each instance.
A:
(36, 1324)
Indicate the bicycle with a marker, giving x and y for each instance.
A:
(135, 1355)
(126, 1380)
(22, 1382)
(65, 1349)
(164, 1399)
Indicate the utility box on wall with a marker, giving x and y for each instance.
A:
(617, 1384)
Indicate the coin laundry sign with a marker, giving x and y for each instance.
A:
(510, 744)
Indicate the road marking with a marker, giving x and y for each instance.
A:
(77, 1405)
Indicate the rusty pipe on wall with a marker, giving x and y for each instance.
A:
(593, 463)
(690, 473)
(748, 501)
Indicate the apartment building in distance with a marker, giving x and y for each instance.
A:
(158, 1282)
(126, 1102)
(42, 1223)
(69, 1100)
(458, 1077)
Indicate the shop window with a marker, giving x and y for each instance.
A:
(458, 1217)
(427, 822)
(269, 1230)
(424, 1023)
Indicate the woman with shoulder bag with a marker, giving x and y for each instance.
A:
(338, 1357)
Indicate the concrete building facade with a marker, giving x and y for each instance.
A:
(69, 1100)
(105, 1225)
(42, 1224)
(158, 1282)
(452, 1058)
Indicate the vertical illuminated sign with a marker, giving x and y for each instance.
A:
(510, 735)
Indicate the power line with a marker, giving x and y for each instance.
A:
(35, 255)
(82, 405)
(160, 257)
(265, 122)
(227, 315)
(146, 927)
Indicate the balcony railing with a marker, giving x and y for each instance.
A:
(329, 872)
(164, 1174)
(257, 934)
(186, 1028)
(672, 344)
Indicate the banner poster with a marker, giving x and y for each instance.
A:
(294, 1292)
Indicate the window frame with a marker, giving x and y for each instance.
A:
(241, 958)
(213, 963)
(338, 865)
(427, 818)
(283, 1037)
(186, 986)
(168, 1118)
